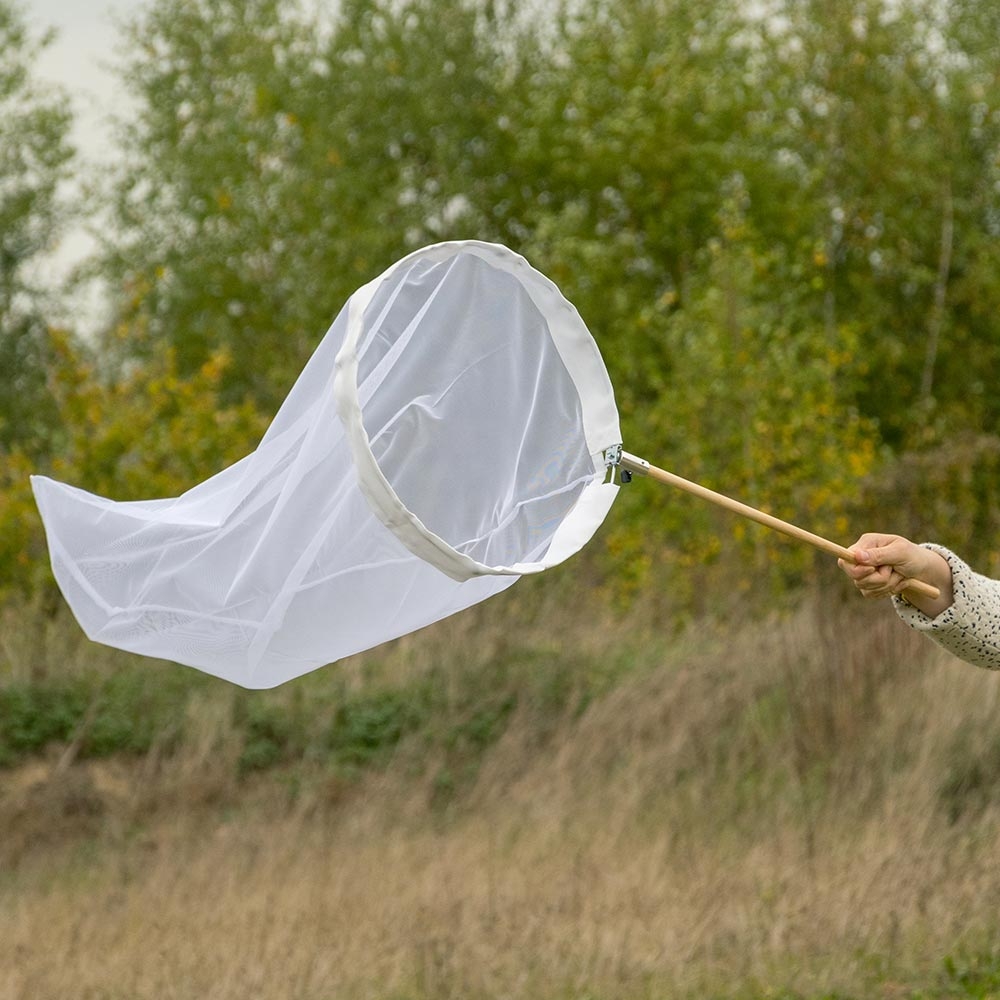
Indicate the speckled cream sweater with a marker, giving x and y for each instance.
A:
(970, 628)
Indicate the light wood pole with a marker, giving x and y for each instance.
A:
(640, 467)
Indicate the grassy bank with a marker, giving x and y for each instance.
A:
(802, 808)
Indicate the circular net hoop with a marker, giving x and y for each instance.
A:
(446, 437)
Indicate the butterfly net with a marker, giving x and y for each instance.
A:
(446, 437)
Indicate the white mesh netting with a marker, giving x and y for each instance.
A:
(446, 437)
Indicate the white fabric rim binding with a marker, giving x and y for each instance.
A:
(585, 366)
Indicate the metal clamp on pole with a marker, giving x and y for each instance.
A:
(632, 465)
(612, 459)
(626, 464)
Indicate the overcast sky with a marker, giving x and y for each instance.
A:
(84, 44)
(78, 60)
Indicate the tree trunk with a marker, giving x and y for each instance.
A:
(936, 321)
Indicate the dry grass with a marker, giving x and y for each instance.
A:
(767, 811)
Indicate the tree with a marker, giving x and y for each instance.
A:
(778, 220)
(35, 156)
(274, 166)
(883, 115)
(147, 432)
(627, 138)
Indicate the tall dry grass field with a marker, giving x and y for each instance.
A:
(806, 805)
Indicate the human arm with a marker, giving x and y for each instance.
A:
(969, 627)
(887, 563)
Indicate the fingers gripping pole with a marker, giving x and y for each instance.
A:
(640, 467)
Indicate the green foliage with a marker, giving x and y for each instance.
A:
(976, 977)
(367, 726)
(625, 144)
(966, 977)
(782, 230)
(35, 158)
(274, 166)
(31, 717)
(897, 192)
(142, 431)
(757, 407)
(445, 719)
(122, 713)
(148, 431)
(270, 735)
(451, 715)
(345, 730)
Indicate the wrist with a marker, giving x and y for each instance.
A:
(935, 570)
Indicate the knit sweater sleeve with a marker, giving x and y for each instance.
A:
(970, 628)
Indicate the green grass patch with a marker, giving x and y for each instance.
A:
(349, 720)
(120, 713)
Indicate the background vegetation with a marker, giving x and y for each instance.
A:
(678, 765)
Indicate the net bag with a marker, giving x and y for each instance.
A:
(446, 437)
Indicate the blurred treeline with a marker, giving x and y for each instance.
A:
(779, 220)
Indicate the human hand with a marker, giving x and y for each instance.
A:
(886, 564)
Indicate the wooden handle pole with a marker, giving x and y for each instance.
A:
(641, 467)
